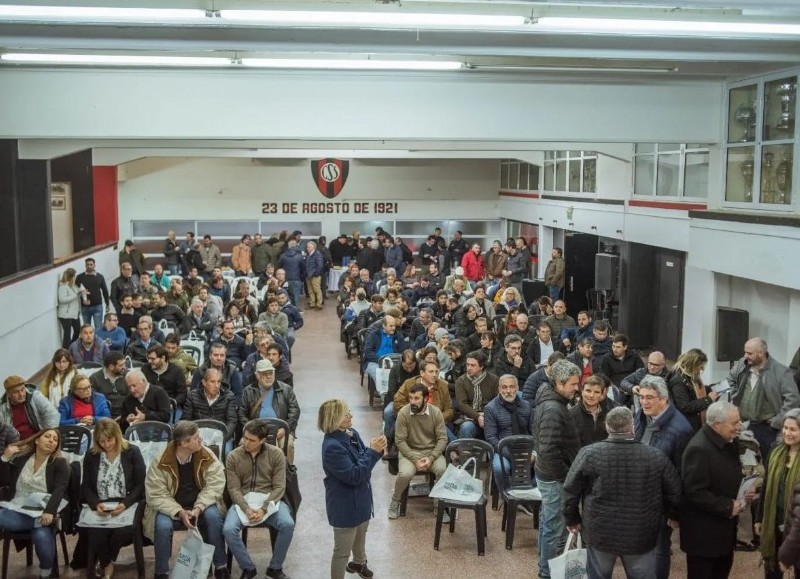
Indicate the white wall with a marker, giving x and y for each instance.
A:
(196, 104)
(222, 189)
(29, 329)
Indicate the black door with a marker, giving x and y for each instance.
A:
(579, 252)
(669, 301)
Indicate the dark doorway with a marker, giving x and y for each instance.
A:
(669, 301)
(579, 252)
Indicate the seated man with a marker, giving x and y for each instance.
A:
(110, 381)
(127, 316)
(560, 320)
(198, 320)
(574, 334)
(602, 343)
(213, 402)
(282, 371)
(270, 398)
(144, 401)
(275, 318)
(88, 347)
(179, 356)
(184, 488)
(137, 348)
(512, 360)
(234, 344)
(436, 392)
(421, 438)
(217, 358)
(26, 409)
(620, 363)
(292, 314)
(582, 357)
(542, 346)
(111, 334)
(473, 391)
(380, 342)
(170, 377)
(256, 466)
(505, 415)
(173, 314)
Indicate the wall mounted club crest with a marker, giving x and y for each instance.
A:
(330, 175)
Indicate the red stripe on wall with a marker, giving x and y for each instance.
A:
(668, 205)
(520, 195)
(106, 213)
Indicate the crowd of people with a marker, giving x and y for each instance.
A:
(625, 450)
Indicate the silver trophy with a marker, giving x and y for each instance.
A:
(783, 178)
(745, 115)
(787, 92)
(746, 168)
(768, 185)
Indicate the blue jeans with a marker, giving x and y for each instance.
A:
(174, 269)
(497, 471)
(663, 551)
(389, 420)
(294, 291)
(290, 338)
(554, 292)
(44, 541)
(210, 526)
(600, 565)
(93, 315)
(470, 429)
(552, 530)
(281, 521)
(372, 370)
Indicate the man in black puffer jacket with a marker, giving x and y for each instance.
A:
(556, 442)
(620, 517)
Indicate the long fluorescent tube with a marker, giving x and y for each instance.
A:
(352, 64)
(379, 19)
(563, 68)
(70, 13)
(115, 60)
(633, 26)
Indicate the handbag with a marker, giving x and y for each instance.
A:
(571, 564)
(456, 484)
(291, 495)
(382, 380)
(194, 559)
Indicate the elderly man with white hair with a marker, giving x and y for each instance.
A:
(144, 402)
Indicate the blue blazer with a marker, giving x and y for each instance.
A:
(348, 465)
(67, 406)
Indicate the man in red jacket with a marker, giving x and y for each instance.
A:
(472, 262)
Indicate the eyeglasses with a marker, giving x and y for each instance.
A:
(648, 397)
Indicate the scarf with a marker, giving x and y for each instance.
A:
(477, 397)
(777, 462)
(516, 423)
(700, 393)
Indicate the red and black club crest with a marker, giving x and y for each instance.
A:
(330, 175)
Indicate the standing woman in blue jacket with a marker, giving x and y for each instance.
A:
(348, 465)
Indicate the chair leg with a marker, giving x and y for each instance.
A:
(505, 517)
(510, 523)
(495, 496)
(480, 529)
(138, 551)
(537, 511)
(6, 542)
(452, 512)
(91, 557)
(63, 536)
(437, 534)
(29, 554)
(403, 502)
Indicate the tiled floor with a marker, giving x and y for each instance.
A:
(396, 549)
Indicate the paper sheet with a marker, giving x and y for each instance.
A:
(256, 501)
(32, 505)
(90, 517)
(747, 484)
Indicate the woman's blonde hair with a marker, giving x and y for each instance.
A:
(68, 276)
(690, 362)
(107, 428)
(77, 379)
(331, 414)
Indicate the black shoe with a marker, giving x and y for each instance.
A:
(362, 570)
(249, 574)
(222, 573)
(162, 576)
(744, 546)
(276, 574)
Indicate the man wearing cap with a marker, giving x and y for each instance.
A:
(25, 408)
(270, 398)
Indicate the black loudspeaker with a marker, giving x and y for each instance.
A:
(606, 271)
(532, 290)
(733, 330)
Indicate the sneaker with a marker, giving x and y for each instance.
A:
(394, 509)
(276, 574)
(525, 509)
(362, 570)
(249, 574)
(221, 573)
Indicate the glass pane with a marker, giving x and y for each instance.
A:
(589, 175)
(574, 176)
(523, 176)
(476, 228)
(739, 175)
(561, 176)
(643, 175)
(160, 228)
(668, 148)
(533, 178)
(549, 176)
(645, 148)
(309, 228)
(513, 176)
(574, 154)
(418, 228)
(504, 176)
(366, 228)
(548, 155)
(589, 154)
(233, 229)
(776, 174)
(695, 178)
(780, 106)
(742, 107)
(667, 180)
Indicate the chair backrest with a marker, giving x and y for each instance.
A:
(274, 425)
(389, 360)
(88, 368)
(151, 451)
(460, 451)
(149, 431)
(213, 433)
(166, 327)
(518, 450)
(130, 363)
(75, 439)
(194, 352)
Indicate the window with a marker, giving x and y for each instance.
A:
(570, 171)
(670, 170)
(518, 175)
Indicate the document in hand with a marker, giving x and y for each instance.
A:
(748, 483)
(32, 505)
(256, 501)
(91, 518)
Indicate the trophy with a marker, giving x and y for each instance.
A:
(589, 175)
(746, 168)
(783, 177)
(787, 92)
(768, 186)
(745, 115)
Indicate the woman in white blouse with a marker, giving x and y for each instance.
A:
(69, 307)
(56, 383)
(32, 466)
(113, 480)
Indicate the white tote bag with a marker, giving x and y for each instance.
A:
(382, 380)
(194, 559)
(456, 484)
(571, 564)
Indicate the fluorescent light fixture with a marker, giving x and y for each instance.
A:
(352, 64)
(70, 13)
(114, 59)
(634, 26)
(566, 68)
(378, 19)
